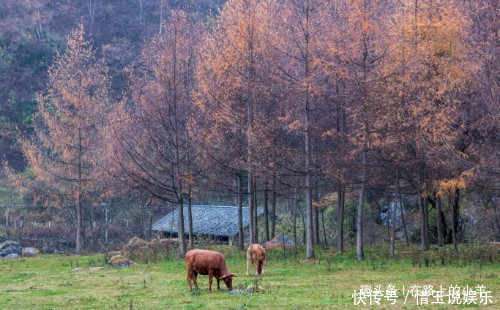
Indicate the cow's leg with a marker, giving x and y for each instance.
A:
(210, 278)
(248, 264)
(189, 276)
(195, 275)
(218, 284)
(263, 265)
(256, 265)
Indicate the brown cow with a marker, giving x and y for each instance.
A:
(209, 263)
(256, 255)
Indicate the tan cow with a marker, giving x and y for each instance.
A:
(256, 255)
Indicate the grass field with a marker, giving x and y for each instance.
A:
(49, 281)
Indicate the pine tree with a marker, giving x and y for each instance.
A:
(68, 119)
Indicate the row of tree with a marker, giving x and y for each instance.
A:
(299, 97)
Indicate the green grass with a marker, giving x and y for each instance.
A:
(48, 281)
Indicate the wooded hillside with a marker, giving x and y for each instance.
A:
(350, 122)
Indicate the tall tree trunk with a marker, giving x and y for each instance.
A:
(251, 204)
(424, 233)
(307, 140)
(317, 240)
(340, 215)
(78, 241)
(7, 229)
(150, 226)
(497, 222)
(324, 230)
(422, 202)
(295, 212)
(250, 106)
(106, 226)
(190, 217)
(359, 214)
(400, 200)
(255, 212)
(393, 234)
(340, 123)
(439, 220)
(266, 213)
(309, 209)
(302, 217)
(363, 90)
(454, 217)
(180, 228)
(150, 219)
(273, 210)
(92, 224)
(241, 237)
(316, 226)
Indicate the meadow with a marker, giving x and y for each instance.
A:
(76, 282)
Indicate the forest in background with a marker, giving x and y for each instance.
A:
(32, 32)
(380, 116)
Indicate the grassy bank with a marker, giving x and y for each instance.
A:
(49, 281)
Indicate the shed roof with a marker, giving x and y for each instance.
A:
(208, 220)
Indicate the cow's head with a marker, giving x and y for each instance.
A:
(228, 280)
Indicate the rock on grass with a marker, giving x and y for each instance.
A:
(10, 247)
(120, 261)
(30, 252)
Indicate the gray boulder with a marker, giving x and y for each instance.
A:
(30, 252)
(12, 256)
(10, 247)
(6, 244)
(120, 261)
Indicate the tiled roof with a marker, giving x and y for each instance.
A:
(207, 220)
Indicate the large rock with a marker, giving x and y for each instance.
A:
(10, 247)
(91, 269)
(9, 243)
(117, 259)
(251, 289)
(13, 256)
(30, 252)
(136, 248)
(109, 255)
(120, 261)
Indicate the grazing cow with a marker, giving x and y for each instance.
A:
(209, 263)
(256, 255)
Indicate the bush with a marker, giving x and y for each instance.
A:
(151, 251)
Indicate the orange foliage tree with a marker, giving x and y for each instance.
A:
(70, 113)
(149, 133)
